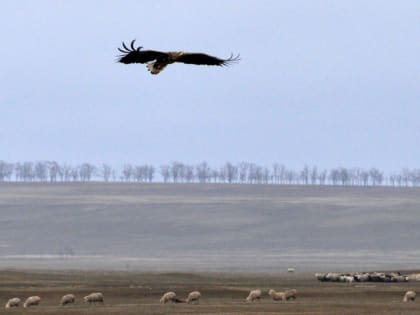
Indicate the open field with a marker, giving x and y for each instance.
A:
(222, 293)
(206, 227)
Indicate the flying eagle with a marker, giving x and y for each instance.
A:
(158, 60)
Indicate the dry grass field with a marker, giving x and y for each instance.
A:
(222, 293)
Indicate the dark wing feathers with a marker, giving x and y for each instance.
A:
(204, 59)
(140, 56)
(136, 55)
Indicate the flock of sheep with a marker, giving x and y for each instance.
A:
(96, 297)
(193, 297)
(362, 277)
(168, 297)
(371, 277)
(254, 295)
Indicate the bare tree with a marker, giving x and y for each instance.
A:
(290, 176)
(364, 176)
(392, 179)
(66, 172)
(314, 175)
(222, 174)
(343, 175)
(322, 177)
(106, 172)
(139, 173)
(415, 177)
(6, 170)
(165, 172)
(18, 171)
(215, 175)
(53, 170)
(276, 173)
(243, 171)
(231, 172)
(334, 176)
(74, 174)
(189, 173)
(86, 171)
(127, 172)
(177, 171)
(28, 173)
(41, 171)
(150, 173)
(203, 172)
(265, 175)
(376, 176)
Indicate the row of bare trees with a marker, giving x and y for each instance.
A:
(178, 172)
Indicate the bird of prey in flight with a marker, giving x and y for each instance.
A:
(158, 60)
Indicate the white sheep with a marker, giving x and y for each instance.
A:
(332, 276)
(321, 276)
(67, 299)
(409, 296)
(32, 301)
(348, 279)
(96, 297)
(361, 277)
(254, 295)
(283, 296)
(277, 296)
(170, 297)
(194, 296)
(14, 302)
(291, 294)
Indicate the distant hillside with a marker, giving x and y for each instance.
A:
(225, 222)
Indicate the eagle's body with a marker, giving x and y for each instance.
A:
(158, 60)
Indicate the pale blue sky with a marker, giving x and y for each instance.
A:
(327, 83)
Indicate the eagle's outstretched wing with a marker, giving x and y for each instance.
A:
(204, 59)
(136, 55)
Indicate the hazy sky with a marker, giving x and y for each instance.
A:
(327, 83)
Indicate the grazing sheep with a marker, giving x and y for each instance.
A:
(290, 294)
(32, 301)
(254, 295)
(364, 277)
(170, 297)
(409, 296)
(194, 296)
(68, 299)
(377, 277)
(361, 277)
(348, 279)
(399, 278)
(283, 296)
(332, 276)
(94, 298)
(15, 302)
(321, 276)
(277, 296)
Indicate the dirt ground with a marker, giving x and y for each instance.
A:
(222, 293)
